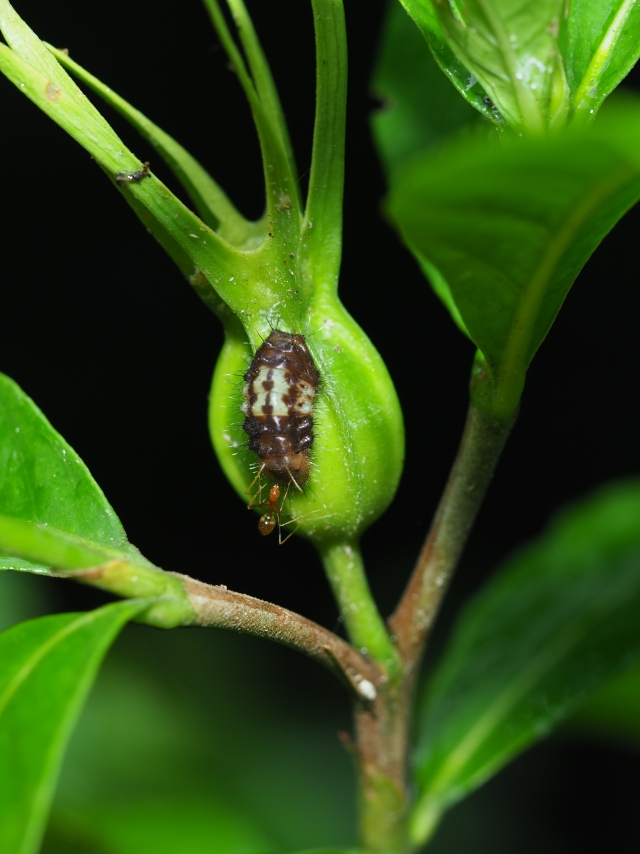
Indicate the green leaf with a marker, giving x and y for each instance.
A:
(190, 824)
(512, 51)
(54, 515)
(420, 106)
(509, 227)
(43, 480)
(332, 851)
(47, 667)
(558, 621)
(181, 746)
(424, 15)
(600, 45)
(613, 713)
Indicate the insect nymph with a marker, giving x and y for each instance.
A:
(123, 178)
(280, 386)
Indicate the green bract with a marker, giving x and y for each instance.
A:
(279, 272)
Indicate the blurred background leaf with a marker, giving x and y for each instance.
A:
(47, 667)
(555, 623)
(613, 713)
(187, 724)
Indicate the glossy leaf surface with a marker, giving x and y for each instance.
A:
(47, 667)
(509, 227)
(539, 63)
(51, 509)
(423, 14)
(420, 108)
(511, 50)
(43, 480)
(558, 621)
(600, 45)
(54, 516)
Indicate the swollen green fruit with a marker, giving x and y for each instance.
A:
(353, 417)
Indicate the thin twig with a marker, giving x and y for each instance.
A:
(225, 609)
(480, 448)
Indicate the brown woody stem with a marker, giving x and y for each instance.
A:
(480, 448)
(382, 730)
(221, 608)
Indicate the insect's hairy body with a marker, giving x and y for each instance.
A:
(280, 386)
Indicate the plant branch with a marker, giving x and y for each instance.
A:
(224, 609)
(480, 448)
(179, 600)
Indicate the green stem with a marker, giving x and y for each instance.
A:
(323, 216)
(263, 79)
(279, 171)
(365, 627)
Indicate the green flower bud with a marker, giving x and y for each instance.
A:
(358, 447)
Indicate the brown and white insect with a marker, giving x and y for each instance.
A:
(123, 178)
(279, 391)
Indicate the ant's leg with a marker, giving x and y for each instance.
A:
(281, 542)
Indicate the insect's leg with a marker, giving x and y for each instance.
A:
(293, 481)
(257, 494)
(281, 525)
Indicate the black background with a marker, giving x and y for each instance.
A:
(101, 330)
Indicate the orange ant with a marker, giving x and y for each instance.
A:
(268, 520)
